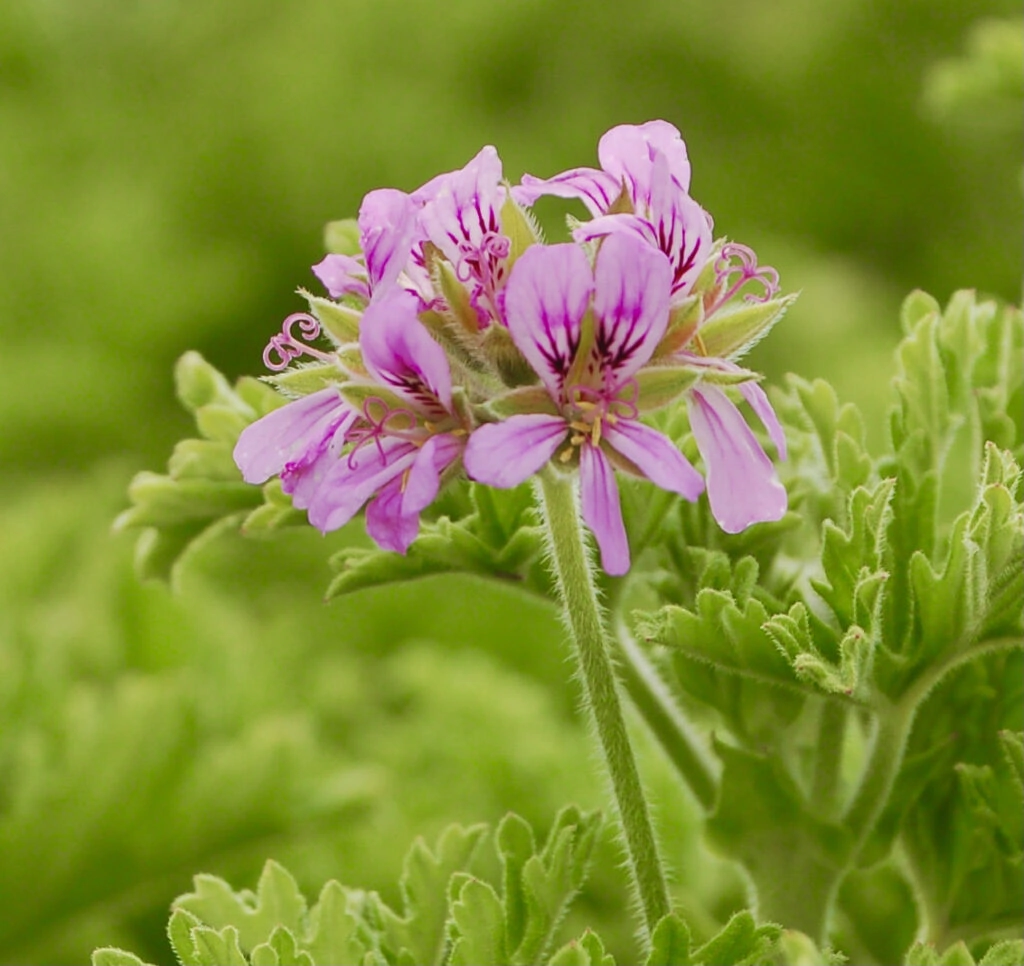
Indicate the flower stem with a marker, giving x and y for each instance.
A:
(585, 620)
(674, 733)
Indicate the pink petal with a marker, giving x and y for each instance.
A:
(742, 486)
(656, 456)
(633, 285)
(342, 275)
(402, 355)
(353, 479)
(465, 206)
(547, 295)
(506, 453)
(387, 223)
(758, 400)
(293, 434)
(425, 476)
(386, 522)
(596, 189)
(599, 501)
(627, 152)
(682, 227)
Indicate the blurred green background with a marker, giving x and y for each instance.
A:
(165, 171)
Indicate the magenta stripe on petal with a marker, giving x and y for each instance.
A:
(599, 501)
(743, 488)
(506, 453)
(633, 285)
(402, 355)
(655, 456)
(547, 295)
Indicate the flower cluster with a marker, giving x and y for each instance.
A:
(460, 343)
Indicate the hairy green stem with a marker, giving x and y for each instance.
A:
(674, 733)
(585, 620)
(831, 732)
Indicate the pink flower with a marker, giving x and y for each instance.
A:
(649, 163)
(586, 332)
(404, 438)
(463, 219)
(296, 442)
(387, 232)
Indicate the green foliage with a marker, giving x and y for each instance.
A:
(820, 670)
(448, 915)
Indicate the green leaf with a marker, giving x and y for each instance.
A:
(277, 902)
(550, 880)
(108, 956)
(740, 943)
(281, 949)
(1009, 952)
(420, 930)
(333, 931)
(218, 947)
(479, 922)
(670, 943)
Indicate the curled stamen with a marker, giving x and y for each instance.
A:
(733, 277)
(379, 419)
(286, 345)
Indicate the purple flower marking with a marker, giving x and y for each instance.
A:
(552, 300)
(396, 455)
(649, 161)
(463, 219)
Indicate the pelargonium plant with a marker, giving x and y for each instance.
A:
(498, 405)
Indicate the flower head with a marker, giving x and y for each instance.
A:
(461, 340)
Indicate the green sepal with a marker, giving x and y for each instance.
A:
(523, 399)
(342, 237)
(275, 513)
(305, 380)
(684, 319)
(519, 226)
(358, 394)
(729, 333)
(504, 355)
(203, 459)
(658, 386)
(340, 322)
(160, 501)
(456, 295)
(728, 377)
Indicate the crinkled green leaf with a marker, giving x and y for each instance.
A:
(277, 902)
(741, 943)
(479, 925)
(115, 957)
(670, 943)
(420, 930)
